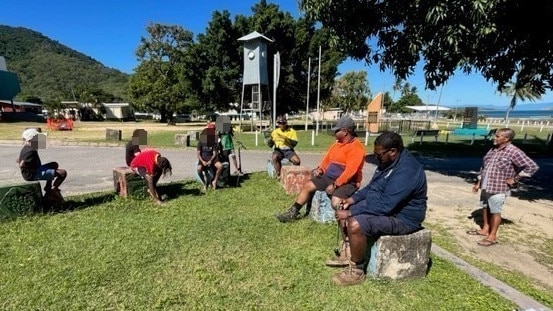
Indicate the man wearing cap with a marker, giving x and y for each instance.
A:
(32, 168)
(338, 174)
(284, 139)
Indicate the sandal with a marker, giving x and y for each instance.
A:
(486, 242)
(475, 232)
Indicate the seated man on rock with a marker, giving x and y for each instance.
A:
(33, 169)
(283, 140)
(150, 165)
(339, 173)
(393, 203)
(207, 152)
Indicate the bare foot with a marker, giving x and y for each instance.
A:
(214, 185)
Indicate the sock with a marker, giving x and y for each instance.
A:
(297, 206)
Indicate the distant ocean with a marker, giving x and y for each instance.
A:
(517, 114)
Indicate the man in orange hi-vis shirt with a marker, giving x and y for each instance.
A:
(339, 173)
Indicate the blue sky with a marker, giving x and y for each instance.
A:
(110, 31)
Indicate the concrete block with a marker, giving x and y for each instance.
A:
(271, 168)
(400, 257)
(320, 208)
(194, 136)
(181, 139)
(19, 198)
(112, 134)
(292, 178)
(127, 183)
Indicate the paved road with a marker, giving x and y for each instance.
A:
(90, 167)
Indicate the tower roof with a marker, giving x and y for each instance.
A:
(252, 36)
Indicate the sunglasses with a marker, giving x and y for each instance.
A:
(381, 154)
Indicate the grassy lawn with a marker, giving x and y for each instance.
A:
(219, 251)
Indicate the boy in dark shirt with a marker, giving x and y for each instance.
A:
(132, 148)
(32, 168)
(207, 152)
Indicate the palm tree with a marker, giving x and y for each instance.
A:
(519, 91)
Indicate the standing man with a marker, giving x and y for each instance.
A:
(393, 203)
(150, 165)
(32, 168)
(284, 139)
(339, 173)
(502, 167)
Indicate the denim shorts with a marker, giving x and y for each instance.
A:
(493, 201)
(45, 173)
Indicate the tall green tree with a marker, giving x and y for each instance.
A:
(411, 99)
(217, 58)
(351, 91)
(296, 41)
(387, 101)
(518, 92)
(486, 36)
(157, 84)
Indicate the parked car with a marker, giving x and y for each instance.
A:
(182, 118)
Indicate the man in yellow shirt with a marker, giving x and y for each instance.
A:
(283, 140)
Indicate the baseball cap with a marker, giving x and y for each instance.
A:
(28, 134)
(344, 122)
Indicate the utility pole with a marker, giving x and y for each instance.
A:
(319, 94)
(307, 101)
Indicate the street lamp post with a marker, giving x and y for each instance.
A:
(307, 101)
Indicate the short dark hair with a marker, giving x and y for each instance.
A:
(389, 140)
(165, 166)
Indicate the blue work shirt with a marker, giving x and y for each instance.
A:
(398, 190)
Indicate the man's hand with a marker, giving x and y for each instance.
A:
(317, 172)
(330, 189)
(345, 204)
(342, 214)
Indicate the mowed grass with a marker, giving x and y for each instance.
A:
(219, 251)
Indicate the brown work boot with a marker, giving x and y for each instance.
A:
(292, 214)
(352, 275)
(343, 259)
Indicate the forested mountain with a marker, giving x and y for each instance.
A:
(54, 72)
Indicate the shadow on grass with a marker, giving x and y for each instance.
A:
(79, 202)
(174, 190)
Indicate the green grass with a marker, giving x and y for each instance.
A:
(519, 281)
(219, 251)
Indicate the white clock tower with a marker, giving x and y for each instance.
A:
(255, 74)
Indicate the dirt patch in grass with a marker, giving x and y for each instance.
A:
(524, 237)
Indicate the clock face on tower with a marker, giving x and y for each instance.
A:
(251, 55)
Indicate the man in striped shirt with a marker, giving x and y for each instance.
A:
(502, 167)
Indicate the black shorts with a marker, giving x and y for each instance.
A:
(343, 192)
(284, 153)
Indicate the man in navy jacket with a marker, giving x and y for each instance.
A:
(393, 203)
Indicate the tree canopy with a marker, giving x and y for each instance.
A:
(487, 36)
